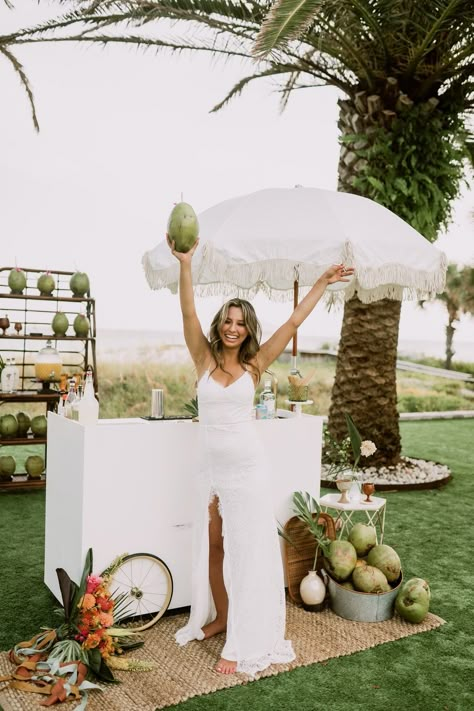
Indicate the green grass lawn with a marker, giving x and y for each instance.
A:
(431, 531)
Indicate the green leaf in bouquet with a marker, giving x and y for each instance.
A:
(356, 439)
(85, 574)
(105, 673)
(128, 643)
(68, 590)
(95, 659)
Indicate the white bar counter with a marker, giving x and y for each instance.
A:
(125, 486)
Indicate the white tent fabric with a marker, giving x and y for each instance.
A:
(266, 240)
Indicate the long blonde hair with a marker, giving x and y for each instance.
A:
(249, 348)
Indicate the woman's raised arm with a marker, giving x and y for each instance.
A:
(196, 341)
(271, 349)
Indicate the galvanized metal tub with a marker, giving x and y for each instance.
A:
(360, 606)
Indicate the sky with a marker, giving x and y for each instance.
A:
(124, 134)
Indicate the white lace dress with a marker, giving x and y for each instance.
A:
(232, 467)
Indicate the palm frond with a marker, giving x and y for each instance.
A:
(286, 20)
(18, 67)
(238, 88)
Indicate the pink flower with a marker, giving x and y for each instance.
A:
(93, 582)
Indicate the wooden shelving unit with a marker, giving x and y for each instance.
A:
(35, 312)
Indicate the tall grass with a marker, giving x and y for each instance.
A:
(125, 389)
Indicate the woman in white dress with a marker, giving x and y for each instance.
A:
(237, 575)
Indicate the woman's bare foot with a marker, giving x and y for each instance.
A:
(215, 627)
(225, 666)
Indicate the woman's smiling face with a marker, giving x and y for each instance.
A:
(233, 331)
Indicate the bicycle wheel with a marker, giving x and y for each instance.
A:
(144, 586)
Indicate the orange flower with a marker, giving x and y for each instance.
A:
(87, 602)
(107, 646)
(92, 641)
(105, 619)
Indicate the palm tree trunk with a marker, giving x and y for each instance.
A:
(365, 383)
(450, 330)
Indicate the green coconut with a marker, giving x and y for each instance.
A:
(7, 467)
(81, 326)
(17, 281)
(46, 284)
(348, 585)
(387, 560)
(39, 425)
(79, 284)
(60, 324)
(183, 227)
(340, 560)
(24, 423)
(34, 466)
(363, 538)
(413, 600)
(8, 426)
(367, 578)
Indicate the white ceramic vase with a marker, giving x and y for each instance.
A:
(312, 591)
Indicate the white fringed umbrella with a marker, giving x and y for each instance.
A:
(278, 240)
(262, 241)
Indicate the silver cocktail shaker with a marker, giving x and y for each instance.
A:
(157, 407)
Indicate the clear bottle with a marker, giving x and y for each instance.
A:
(76, 405)
(267, 398)
(62, 405)
(89, 408)
(16, 374)
(71, 396)
(8, 378)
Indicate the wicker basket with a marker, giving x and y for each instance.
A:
(299, 555)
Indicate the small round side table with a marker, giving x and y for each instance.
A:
(347, 514)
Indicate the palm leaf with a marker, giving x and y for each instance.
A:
(356, 439)
(68, 590)
(83, 584)
(286, 20)
(18, 67)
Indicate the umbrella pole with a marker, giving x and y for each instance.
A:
(294, 351)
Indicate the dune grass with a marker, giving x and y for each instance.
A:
(431, 531)
(125, 387)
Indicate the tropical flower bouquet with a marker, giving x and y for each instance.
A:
(86, 645)
(343, 457)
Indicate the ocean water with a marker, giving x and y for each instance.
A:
(143, 345)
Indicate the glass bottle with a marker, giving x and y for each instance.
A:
(267, 398)
(16, 374)
(7, 379)
(76, 405)
(71, 396)
(89, 407)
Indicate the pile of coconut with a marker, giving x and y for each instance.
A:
(362, 565)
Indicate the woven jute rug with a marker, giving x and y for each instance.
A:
(184, 672)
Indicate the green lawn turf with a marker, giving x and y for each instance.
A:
(431, 531)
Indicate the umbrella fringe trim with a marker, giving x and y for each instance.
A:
(390, 281)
